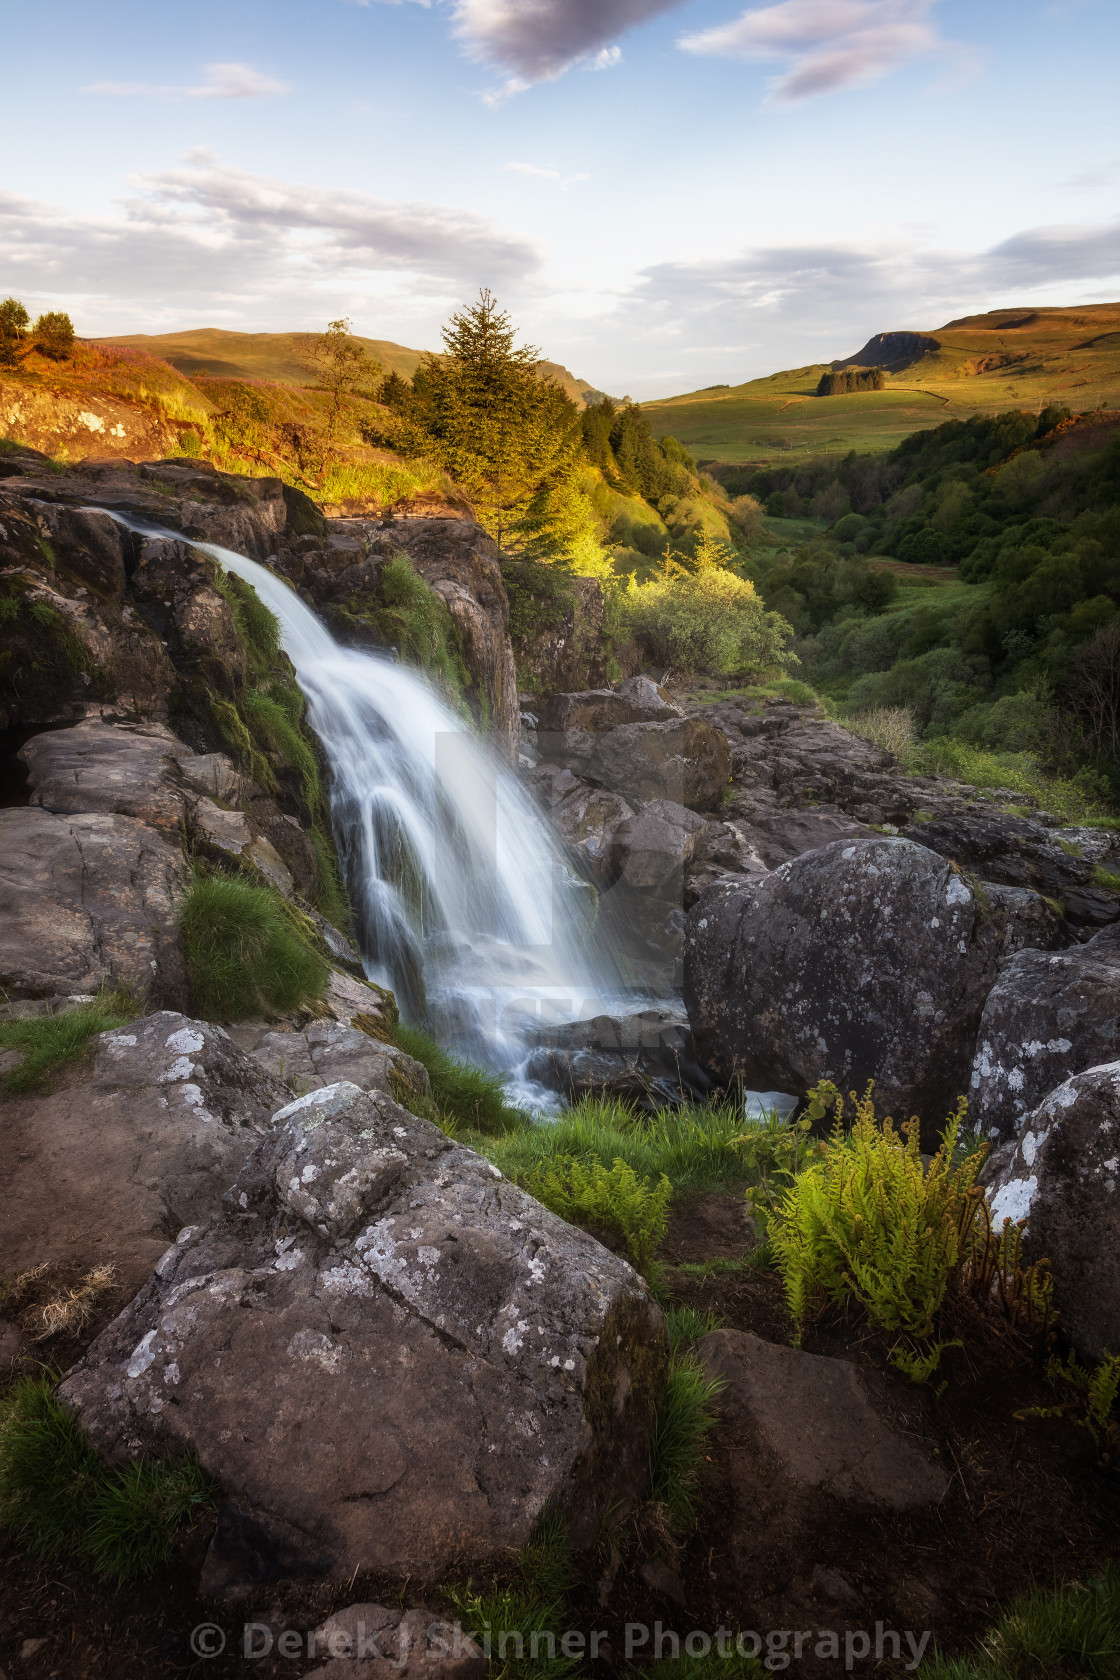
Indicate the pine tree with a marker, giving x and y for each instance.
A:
(510, 437)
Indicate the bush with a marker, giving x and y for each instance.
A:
(1072, 1633)
(710, 620)
(48, 1042)
(889, 727)
(245, 955)
(54, 335)
(615, 1199)
(60, 1497)
(465, 1096)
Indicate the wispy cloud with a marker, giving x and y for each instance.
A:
(825, 44)
(222, 81)
(563, 181)
(537, 40)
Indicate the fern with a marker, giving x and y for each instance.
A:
(588, 1194)
(1092, 1404)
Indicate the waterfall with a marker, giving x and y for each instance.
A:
(462, 899)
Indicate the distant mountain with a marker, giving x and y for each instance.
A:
(276, 356)
(1003, 359)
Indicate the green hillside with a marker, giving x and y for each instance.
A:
(981, 364)
(276, 357)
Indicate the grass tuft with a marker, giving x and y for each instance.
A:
(1072, 1633)
(468, 1097)
(59, 1496)
(49, 1042)
(244, 955)
(685, 1419)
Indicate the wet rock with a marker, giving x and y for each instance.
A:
(646, 1059)
(390, 1356)
(1062, 1175)
(1048, 1015)
(590, 819)
(88, 901)
(172, 583)
(655, 847)
(132, 1148)
(570, 652)
(867, 960)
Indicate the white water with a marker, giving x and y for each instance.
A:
(461, 896)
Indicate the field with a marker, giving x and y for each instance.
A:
(981, 364)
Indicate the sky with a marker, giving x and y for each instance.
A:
(665, 194)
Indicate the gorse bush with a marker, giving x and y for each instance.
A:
(711, 621)
(613, 1199)
(59, 1497)
(1072, 1633)
(464, 1097)
(49, 1042)
(244, 952)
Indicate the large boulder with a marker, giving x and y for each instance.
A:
(682, 759)
(88, 901)
(1048, 1014)
(647, 1059)
(587, 816)
(868, 960)
(1062, 1175)
(638, 700)
(125, 1153)
(329, 1051)
(392, 1358)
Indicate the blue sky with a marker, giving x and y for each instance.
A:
(664, 194)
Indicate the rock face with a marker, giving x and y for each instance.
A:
(647, 1058)
(863, 961)
(88, 901)
(569, 653)
(1062, 1175)
(384, 1642)
(429, 1359)
(328, 1051)
(638, 700)
(683, 759)
(1020, 853)
(1047, 1015)
(144, 1142)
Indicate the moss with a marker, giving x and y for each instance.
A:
(407, 614)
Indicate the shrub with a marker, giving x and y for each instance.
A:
(54, 335)
(60, 1497)
(466, 1096)
(889, 727)
(711, 620)
(1072, 1633)
(1077, 799)
(245, 955)
(615, 1199)
(48, 1042)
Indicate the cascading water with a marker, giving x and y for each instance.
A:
(463, 902)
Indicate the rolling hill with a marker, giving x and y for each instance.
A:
(1004, 359)
(276, 357)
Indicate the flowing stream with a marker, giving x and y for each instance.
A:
(462, 900)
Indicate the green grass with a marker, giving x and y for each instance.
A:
(531, 1600)
(696, 1147)
(59, 1497)
(685, 1419)
(382, 482)
(464, 1097)
(711, 1666)
(245, 956)
(49, 1042)
(1072, 1633)
(1072, 800)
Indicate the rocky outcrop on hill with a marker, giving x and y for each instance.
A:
(144, 1141)
(1062, 1175)
(1018, 852)
(1048, 1014)
(429, 1358)
(870, 960)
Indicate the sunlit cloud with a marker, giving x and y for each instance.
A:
(223, 81)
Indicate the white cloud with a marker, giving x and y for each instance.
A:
(223, 81)
(531, 169)
(242, 249)
(537, 40)
(826, 44)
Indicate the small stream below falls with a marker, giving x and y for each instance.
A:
(462, 898)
